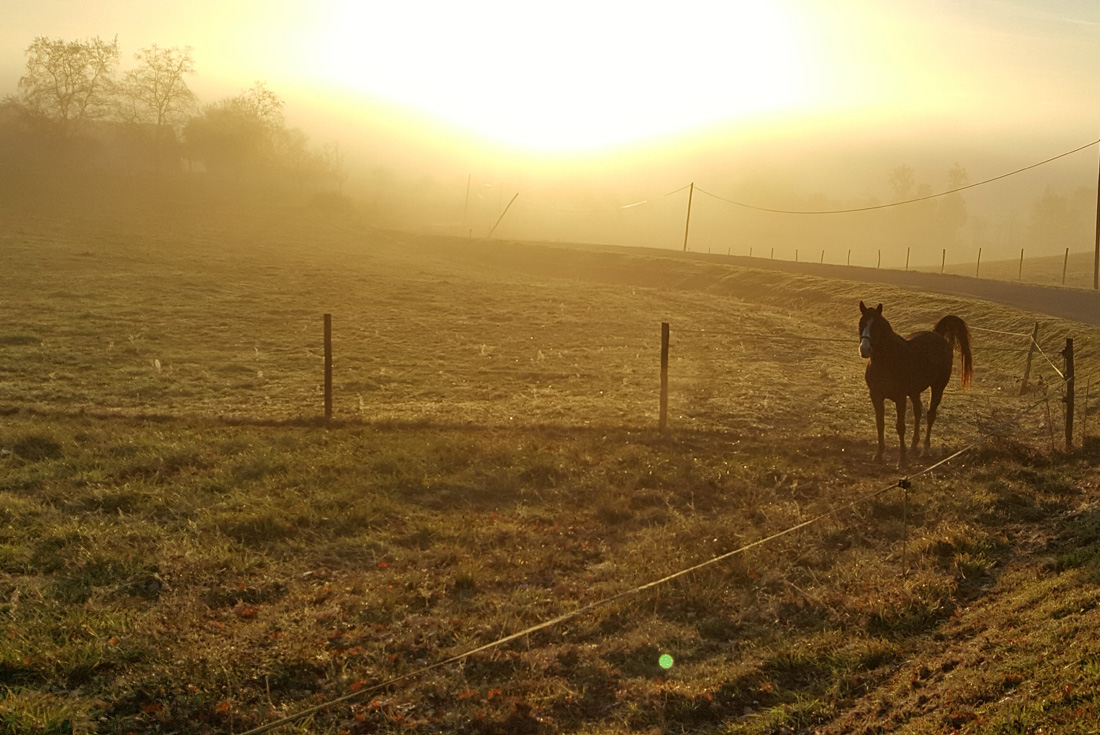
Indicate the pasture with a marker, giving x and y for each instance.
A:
(185, 547)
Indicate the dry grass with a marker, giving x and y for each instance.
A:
(185, 548)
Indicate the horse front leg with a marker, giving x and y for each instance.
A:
(880, 423)
(901, 430)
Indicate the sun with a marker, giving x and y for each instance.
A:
(564, 76)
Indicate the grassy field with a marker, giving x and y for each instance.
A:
(186, 547)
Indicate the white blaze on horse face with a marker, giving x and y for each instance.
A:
(865, 341)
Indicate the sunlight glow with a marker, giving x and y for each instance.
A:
(564, 76)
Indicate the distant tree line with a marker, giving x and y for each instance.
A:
(939, 220)
(1056, 219)
(74, 108)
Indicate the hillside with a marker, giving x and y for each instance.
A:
(186, 547)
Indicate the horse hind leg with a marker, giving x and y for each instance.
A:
(915, 398)
(934, 403)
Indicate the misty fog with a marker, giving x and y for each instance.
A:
(639, 197)
(394, 170)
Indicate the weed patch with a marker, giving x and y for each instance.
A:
(37, 448)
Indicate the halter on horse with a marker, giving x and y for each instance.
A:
(902, 368)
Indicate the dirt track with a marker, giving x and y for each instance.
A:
(1067, 303)
(1077, 304)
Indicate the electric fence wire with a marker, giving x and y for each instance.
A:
(632, 205)
(1021, 335)
(904, 482)
(573, 613)
(1047, 358)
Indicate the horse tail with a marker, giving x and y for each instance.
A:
(955, 331)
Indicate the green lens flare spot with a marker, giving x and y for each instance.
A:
(665, 661)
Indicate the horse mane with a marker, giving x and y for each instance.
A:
(955, 331)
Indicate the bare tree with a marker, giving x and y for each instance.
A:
(952, 214)
(262, 105)
(332, 163)
(69, 82)
(242, 132)
(156, 93)
(1060, 219)
(903, 180)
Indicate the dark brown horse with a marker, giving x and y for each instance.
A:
(902, 368)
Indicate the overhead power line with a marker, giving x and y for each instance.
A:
(639, 203)
(901, 203)
(599, 210)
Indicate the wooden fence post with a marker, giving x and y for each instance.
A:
(328, 367)
(1067, 353)
(1030, 354)
(664, 377)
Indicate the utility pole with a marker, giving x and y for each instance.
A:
(1096, 252)
(494, 228)
(687, 224)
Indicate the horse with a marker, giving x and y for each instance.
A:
(901, 368)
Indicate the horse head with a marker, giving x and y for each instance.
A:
(868, 321)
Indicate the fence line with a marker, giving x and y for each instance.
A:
(826, 211)
(1047, 358)
(904, 483)
(818, 211)
(785, 337)
(1021, 335)
(1066, 377)
(777, 210)
(799, 338)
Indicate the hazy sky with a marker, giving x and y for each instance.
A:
(572, 75)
